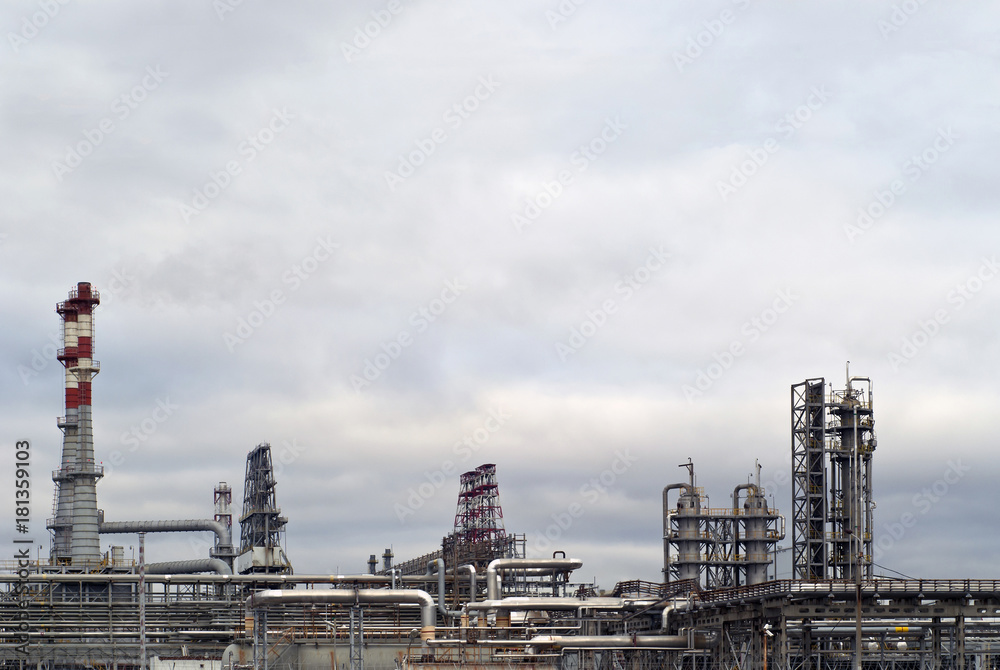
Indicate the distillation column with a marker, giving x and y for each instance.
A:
(833, 439)
(681, 530)
(757, 556)
(74, 524)
(721, 547)
(851, 442)
(762, 529)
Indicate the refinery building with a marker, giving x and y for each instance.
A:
(477, 600)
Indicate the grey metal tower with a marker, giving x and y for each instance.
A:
(74, 524)
(718, 547)
(261, 525)
(833, 439)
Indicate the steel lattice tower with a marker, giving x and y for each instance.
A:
(74, 525)
(261, 525)
(833, 439)
(479, 518)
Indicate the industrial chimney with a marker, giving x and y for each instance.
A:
(74, 525)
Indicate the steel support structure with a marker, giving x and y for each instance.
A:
(833, 439)
(261, 524)
(809, 509)
(720, 547)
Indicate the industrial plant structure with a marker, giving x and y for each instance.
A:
(478, 600)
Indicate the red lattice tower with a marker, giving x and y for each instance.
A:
(479, 519)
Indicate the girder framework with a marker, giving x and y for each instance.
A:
(76, 620)
(718, 547)
(261, 524)
(833, 439)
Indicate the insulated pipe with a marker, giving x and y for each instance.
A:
(673, 487)
(850, 629)
(221, 532)
(234, 579)
(438, 565)
(428, 616)
(736, 525)
(618, 641)
(498, 564)
(473, 585)
(689, 490)
(545, 603)
(674, 605)
(736, 494)
(190, 567)
(232, 657)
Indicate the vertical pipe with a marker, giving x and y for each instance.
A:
(142, 601)
(688, 500)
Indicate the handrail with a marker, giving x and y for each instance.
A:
(723, 511)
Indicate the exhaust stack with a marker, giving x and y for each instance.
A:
(74, 525)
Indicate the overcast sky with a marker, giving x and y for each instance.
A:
(578, 240)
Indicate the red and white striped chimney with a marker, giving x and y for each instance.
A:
(75, 523)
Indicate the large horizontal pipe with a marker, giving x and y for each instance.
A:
(215, 565)
(179, 526)
(500, 564)
(272, 597)
(840, 590)
(848, 630)
(618, 641)
(552, 604)
(119, 635)
(75, 577)
(849, 623)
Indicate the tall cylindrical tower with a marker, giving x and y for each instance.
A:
(74, 525)
(760, 533)
(689, 538)
(833, 440)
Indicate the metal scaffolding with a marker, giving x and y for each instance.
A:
(833, 439)
(261, 525)
(718, 547)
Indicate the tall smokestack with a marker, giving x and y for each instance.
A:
(75, 523)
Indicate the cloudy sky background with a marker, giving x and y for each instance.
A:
(740, 140)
